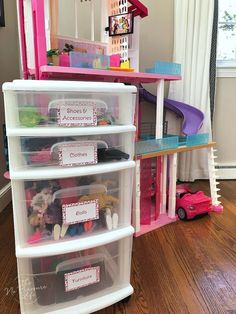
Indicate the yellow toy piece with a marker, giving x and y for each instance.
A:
(125, 65)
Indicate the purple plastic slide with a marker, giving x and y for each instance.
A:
(192, 117)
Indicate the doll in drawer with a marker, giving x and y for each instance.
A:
(64, 207)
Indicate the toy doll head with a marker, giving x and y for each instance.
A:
(40, 202)
(36, 220)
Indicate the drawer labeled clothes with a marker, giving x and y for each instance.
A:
(73, 278)
(69, 151)
(70, 109)
(67, 208)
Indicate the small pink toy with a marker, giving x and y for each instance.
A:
(41, 156)
(29, 194)
(36, 237)
(189, 204)
(217, 208)
(115, 60)
(64, 60)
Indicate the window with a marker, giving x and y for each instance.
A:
(226, 51)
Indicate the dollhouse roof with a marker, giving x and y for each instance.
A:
(138, 8)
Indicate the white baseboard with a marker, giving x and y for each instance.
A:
(5, 196)
(226, 171)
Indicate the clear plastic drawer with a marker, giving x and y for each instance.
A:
(70, 151)
(58, 282)
(59, 210)
(68, 104)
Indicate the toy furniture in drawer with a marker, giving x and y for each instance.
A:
(65, 280)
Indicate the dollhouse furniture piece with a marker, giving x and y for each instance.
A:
(72, 217)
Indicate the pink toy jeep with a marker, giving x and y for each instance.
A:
(190, 205)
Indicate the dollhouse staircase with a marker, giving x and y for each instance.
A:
(213, 176)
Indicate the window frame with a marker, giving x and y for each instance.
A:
(226, 68)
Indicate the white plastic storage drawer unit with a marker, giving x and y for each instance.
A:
(26, 152)
(81, 281)
(71, 149)
(40, 104)
(55, 210)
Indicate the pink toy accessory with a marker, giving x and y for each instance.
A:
(41, 156)
(7, 175)
(217, 208)
(64, 59)
(189, 204)
(115, 60)
(36, 237)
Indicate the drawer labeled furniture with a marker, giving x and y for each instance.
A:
(69, 151)
(60, 281)
(68, 104)
(67, 208)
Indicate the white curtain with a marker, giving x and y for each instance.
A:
(192, 48)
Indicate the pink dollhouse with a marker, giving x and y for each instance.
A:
(38, 23)
(155, 175)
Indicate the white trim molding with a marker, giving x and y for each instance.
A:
(5, 196)
(226, 171)
(226, 72)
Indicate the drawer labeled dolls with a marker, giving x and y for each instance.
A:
(72, 104)
(67, 208)
(69, 151)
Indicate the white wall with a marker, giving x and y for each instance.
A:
(9, 70)
(156, 43)
(225, 121)
(157, 32)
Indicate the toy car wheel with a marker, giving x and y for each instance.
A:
(181, 213)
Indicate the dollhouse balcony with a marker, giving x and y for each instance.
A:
(70, 73)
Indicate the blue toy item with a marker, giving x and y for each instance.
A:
(163, 67)
(89, 60)
(155, 145)
(72, 230)
(197, 139)
(80, 229)
(191, 140)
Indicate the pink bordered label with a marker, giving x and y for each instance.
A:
(80, 212)
(81, 278)
(78, 154)
(77, 113)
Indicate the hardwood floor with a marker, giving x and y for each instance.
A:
(185, 267)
